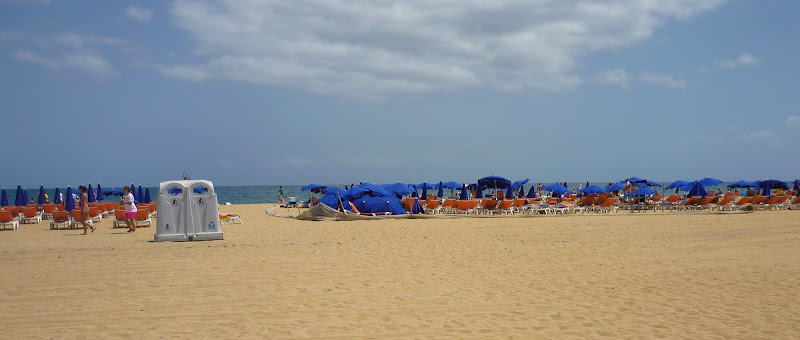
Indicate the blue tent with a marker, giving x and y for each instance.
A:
(616, 186)
(742, 184)
(440, 192)
(697, 190)
(557, 189)
(332, 200)
(20, 198)
(334, 191)
(494, 182)
(317, 188)
(147, 195)
(100, 195)
(4, 198)
(41, 199)
(532, 192)
(682, 185)
(141, 194)
(377, 204)
(57, 196)
(593, 190)
(90, 193)
(518, 184)
(70, 204)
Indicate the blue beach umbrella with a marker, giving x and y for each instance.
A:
(141, 195)
(682, 185)
(113, 191)
(518, 184)
(399, 189)
(147, 195)
(652, 184)
(19, 199)
(70, 204)
(616, 186)
(593, 190)
(451, 185)
(440, 192)
(334, 191)
(636, 180)
(90, 193)
(494, 182)
(641, 191)
(742, 184)
(41, 199)
(532, 192)
(4, 198)
(317, 188)
(57, 196)
(557, 189)
(100, 195)
(708, 181)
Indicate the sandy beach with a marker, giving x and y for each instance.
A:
(643, 276)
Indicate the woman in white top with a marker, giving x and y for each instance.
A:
(130, 209)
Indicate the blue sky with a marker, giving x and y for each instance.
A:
(277, 92)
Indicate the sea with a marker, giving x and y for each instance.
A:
(269, 193)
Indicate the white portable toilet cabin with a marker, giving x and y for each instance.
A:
(203, 220)
(187, 211)
(171, 222)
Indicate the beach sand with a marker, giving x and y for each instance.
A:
(627, 275)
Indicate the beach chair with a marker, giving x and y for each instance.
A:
(119, 221)
(60, 217)
(355, 210)
(689, 203)
(143, 218)
(232, 217)
(794, 204)
(432, 206)
(110, 208)
(722, 203)
(742, 202)
(779, 204)
(519, 203)
(705, 202)
(94, 214)
(31, 215)
(47, 210)
(8, 219)
(486, 206)
(447, 206)
(609, 205)
(76, 216)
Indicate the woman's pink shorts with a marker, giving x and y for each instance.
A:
(131, 214)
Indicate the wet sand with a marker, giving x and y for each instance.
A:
(617, 276)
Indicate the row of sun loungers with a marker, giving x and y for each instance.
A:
(32, 213)
(601, 204)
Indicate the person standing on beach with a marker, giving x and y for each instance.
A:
(84, 210)
(280, 194)
(130, 209)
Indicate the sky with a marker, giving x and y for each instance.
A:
(246, 92)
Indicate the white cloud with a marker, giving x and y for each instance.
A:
(140, 14)
(767, 136)
(618, 77)
(66, 51)
(384, 49)
(744, 59)
(662, 79)
(92, 65)
(793, 121)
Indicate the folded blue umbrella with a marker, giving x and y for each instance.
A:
(532, 192)
(141, 195)
(19, 200)
(425, 190)
(70, 204)
(100, 195)
(57, 196)
(147, 195)
(464, 193)
(509, 192)
(4, 198)
(41, 199)
(90, 194)
(478, 192)
(521, 193)
(133, 192)
(440, 193)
